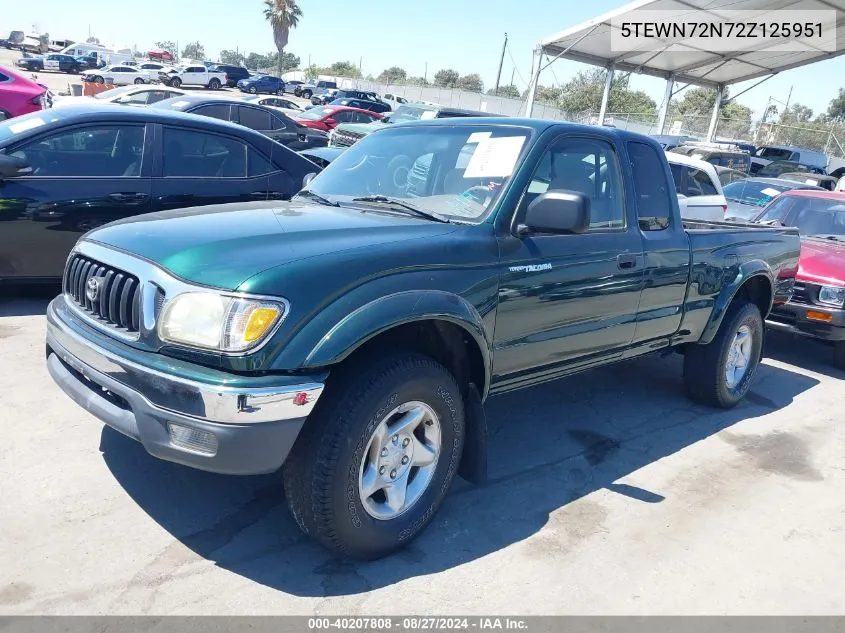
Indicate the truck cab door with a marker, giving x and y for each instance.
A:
(569, 300)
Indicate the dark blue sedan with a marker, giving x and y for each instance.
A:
(264, 83)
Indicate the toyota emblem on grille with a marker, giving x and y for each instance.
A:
(92, 288)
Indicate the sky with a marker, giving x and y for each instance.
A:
(465, 35)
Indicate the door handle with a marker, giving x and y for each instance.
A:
(626, 261)
(128, 197)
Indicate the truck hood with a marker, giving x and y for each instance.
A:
(224, 245)
(822, 261)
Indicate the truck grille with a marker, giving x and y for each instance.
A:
(800, 294)
(344, 138)
(116, 294)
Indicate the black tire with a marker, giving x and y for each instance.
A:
(705, 365)
(138, 80)
(253, 90)
(175, 82)
(99, 80)
(214, 84)
(838, 353)
(306, 94)
(321, 473)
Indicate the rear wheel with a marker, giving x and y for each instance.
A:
(719, 374)
(175, 82)
(214, 84)
(377, 456)
(99, 80)
(138, 80)
(306, 94)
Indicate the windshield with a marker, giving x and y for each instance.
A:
(753, 193)
(823, 217)
(114, 92)
(454, 172)
(314, 114)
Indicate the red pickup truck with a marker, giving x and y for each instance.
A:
(817, 306)
(166, 56)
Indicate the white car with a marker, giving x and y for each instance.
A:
(152, 69)
(192, 76)
(140, 95)
(277, 103)
(699, 189)
(119, 75)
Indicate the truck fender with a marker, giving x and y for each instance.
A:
(747, 271)
(394, 310)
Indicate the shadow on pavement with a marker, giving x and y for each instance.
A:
(549, 445)
(27, 300)
(802, 352)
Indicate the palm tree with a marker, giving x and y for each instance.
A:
(283, 15)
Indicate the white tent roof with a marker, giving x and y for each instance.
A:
(690, 65)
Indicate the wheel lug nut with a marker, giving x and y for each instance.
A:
(384, 452)
(395, 439)
(393, 474)
(381, 470)
(405, 442)
(405, 459)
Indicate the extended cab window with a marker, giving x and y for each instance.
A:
(199, 155)
(588, 166)
(654, 203)
(96, 151)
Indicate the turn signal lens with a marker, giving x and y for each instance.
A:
(814, 315)
(260, 321)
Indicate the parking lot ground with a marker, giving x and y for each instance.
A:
(609, 493)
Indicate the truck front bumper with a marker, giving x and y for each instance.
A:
(814, 321)
(217, 424)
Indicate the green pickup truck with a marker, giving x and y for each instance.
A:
(350, 335)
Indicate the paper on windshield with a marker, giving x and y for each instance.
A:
(494, 157)
(23, 126)
(477, 137)
(428, 114)
(768, 191)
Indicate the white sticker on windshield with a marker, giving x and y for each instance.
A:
(494, 157)
(477, 137)
(179, 104)
(428, 114)
(768, 191)
(810, 181)
(23, 126)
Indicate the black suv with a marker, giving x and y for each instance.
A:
(327, 96)
(233, 73)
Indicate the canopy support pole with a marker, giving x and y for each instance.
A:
(714, 120)
(664, 107)
(606, 95)
(535, 81)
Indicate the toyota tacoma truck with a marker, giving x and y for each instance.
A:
(350, 336)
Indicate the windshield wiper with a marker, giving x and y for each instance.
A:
(307, 193)
(402, 204)
(835, 238)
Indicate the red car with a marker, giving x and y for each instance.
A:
(327, 117)
(19, 95)
(162, 55)
(817, 307)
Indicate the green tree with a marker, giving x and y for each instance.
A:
(168, 46)
(393, 75)
(447, 78)
(836, 108)
(471, 82)
(546, 94)
(797, 113)
(417, 81)
(233, 58)
(93, 40)
(506, 91)
(342, 69)
(194, 50)
(283, 15)
(583, 93)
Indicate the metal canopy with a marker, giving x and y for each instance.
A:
(590, 43)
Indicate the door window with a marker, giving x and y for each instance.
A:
(589, 167)
(200, 155)
(196, 69)
(699, 183)
(258, 165)
(216, 111)
(280, 122)
(253, 118)
(678, 177)
(96, 151)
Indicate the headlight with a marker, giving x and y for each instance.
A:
(832, 295)
(212, 321)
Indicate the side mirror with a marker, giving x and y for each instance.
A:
(330, 122)
(558, 211)
(13, 167)
(308, 178)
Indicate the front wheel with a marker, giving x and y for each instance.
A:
(253, 90)
(175, 82)
(306, 94)
(214, 84)
(99, 80)
(138, 80)
(376, 458)
(719, 374)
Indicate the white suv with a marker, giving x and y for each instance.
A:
(699, 188)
